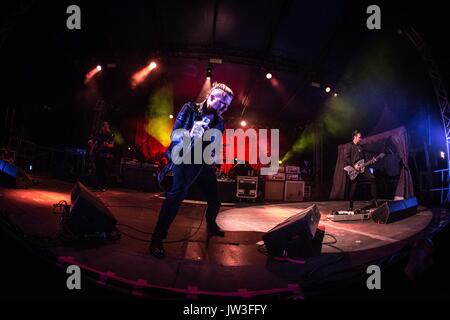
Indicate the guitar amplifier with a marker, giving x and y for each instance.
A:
(276, 177)
(246, 187)
(292, 177)
(293, 169)
(140, 176)
(294, 190)
(274, 190)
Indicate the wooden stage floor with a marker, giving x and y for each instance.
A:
(233, 266)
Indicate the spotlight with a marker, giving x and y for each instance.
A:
(243, 123)
(152, 65)
(92, 73)
(31, 167)
(269, 75)
(129, 148)
(139, 76)
(171, 116)
(442, 154)
(280, 162)
(209, 72)
(335, 94)
(327, 89)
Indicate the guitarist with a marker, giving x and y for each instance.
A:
(100, 147)
(352, 155)
(192, 119)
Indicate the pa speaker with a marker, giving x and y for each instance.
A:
(297, 236)
(392, 211)
(88, 215)
(12, 176)
(294, 190)
(274, 190)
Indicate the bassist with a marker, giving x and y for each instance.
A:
(100, 148)
(353, 154)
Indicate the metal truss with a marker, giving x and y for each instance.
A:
(439, 89)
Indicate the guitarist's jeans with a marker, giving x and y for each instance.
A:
(183, 178)
(366, 176)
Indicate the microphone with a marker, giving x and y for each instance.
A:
(207, 120)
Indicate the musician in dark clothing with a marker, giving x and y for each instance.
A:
(353, 154)
(192, 119)
(101, 147)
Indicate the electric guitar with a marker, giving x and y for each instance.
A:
(353, 173)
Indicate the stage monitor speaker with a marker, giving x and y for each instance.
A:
(297, 236)
(274, 190)
(88, 215)
(14, 177)
(392, 211)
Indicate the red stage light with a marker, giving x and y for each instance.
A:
(142, 74)
(92, 73)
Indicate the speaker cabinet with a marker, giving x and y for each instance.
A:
(88, 215)
(297, 236)
(392, 211)
(274, 190)
(140, 177)
(294, 190)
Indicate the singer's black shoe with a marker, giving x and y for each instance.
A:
(215, 231)
(157, 250)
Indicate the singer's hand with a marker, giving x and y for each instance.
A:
(198, 129)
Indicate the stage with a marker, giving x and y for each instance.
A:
(235, 266)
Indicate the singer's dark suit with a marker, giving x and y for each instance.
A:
(353, 154)
(185, 175)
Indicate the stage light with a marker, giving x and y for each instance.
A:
(31, 167)
(327, 89)
(171, 116)
(335, 94)
(269, 75)
(442, 154)
(139, 76)
(92, 73)
(243, 123)
(280, 162)
(209, 72)
(129, 148)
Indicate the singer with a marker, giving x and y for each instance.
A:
(194, 118)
